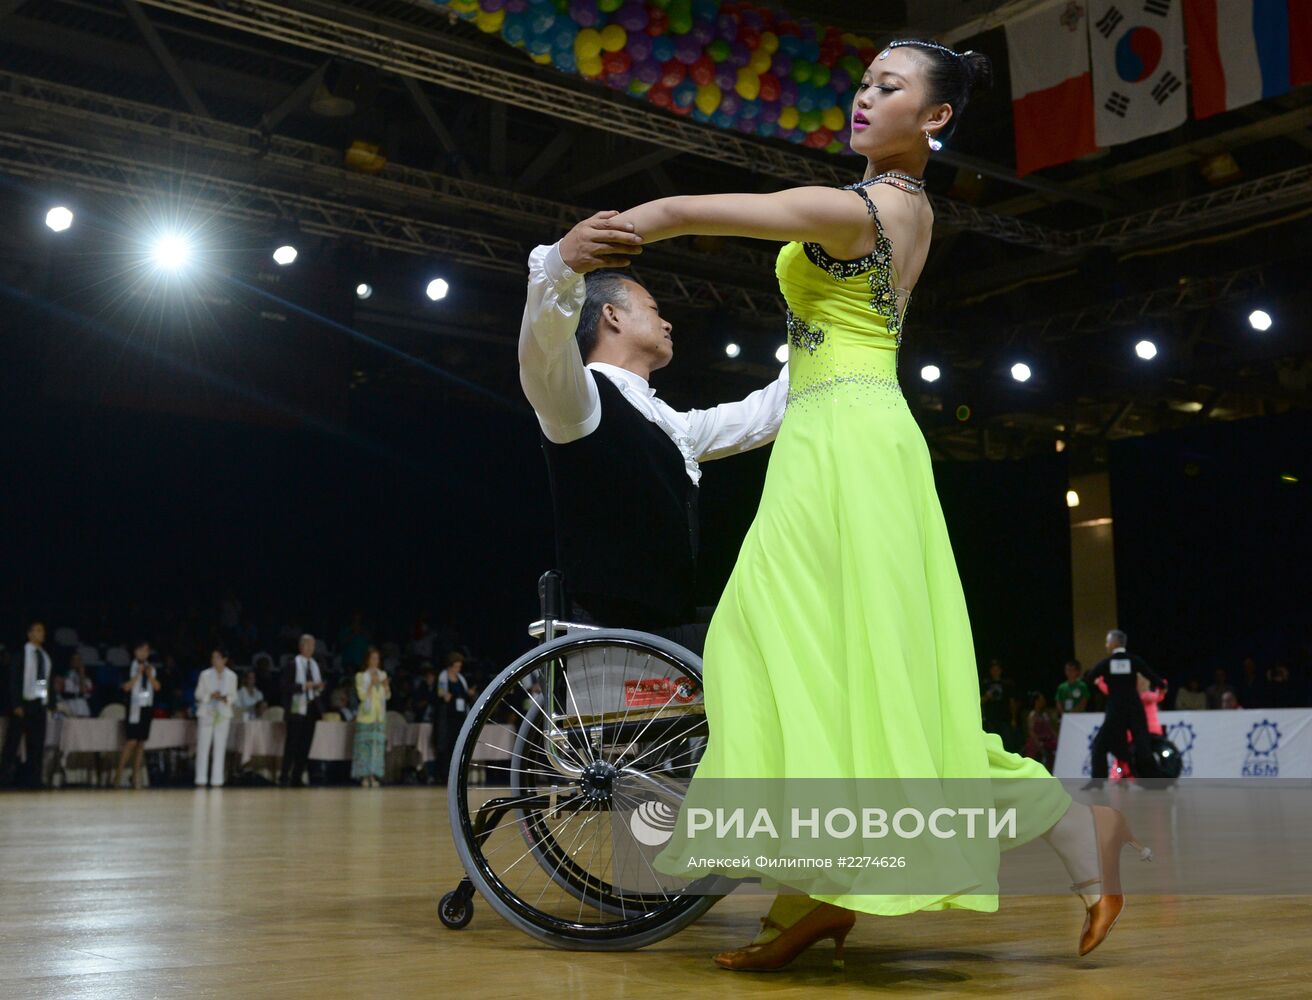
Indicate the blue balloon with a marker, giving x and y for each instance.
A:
(750, 109)
(685, 93)
(539, 45)
(790, 45)
(698, 115)
(563, 60)
(515, 28)
(766, 129)
(662, 48)
(825, 98)
(722, 119)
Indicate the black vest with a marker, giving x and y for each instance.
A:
(626, 516)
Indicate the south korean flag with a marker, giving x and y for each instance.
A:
(1137, 53)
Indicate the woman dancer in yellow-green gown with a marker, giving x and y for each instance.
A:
(841, 647)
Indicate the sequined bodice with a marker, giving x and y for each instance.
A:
(844, 318)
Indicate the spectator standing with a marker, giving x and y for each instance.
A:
(1041, 731)
(216, 695)
(1250, 689)
(995, 699)
(29, 696)
(373, 688)
(455, 694)
(1072, 693)
(141, 685)
(1217, 690)
(302, 683)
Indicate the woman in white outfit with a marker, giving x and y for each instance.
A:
(216, 693)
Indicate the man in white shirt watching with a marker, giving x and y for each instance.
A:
(302, 685)
(624, 465)
(29, 697)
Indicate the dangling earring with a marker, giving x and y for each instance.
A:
(934, 144)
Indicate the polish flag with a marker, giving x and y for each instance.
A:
(1051, 86)
(1241, 51)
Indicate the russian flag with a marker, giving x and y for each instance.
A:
(1241, 51)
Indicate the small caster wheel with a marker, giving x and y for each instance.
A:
(455, 910)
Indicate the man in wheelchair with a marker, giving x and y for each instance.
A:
(623, 464)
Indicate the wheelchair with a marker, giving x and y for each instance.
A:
(604, 729)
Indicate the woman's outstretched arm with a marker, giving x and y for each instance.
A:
(829, 216)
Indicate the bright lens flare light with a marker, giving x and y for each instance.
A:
(781, 355)
(732, 350)
(363, 290)
(1258, 319)
(437, 289)
(930, 373)
(171, 252)
(1146, 349)
(1072, 498)
(1020, 371)
(284, 255)
(59, 218)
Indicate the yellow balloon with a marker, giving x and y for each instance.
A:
(788, 118)
(708, 98)
(613, 38)
(748, 85)
(464, 6)
(770, 42)
(542, 58)
(590, 65)
(587, 44)
(760, 62)
(833, 119)
(490, 21)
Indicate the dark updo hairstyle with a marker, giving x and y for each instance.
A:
(951, 78)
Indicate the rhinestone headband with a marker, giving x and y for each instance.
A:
(924, 45)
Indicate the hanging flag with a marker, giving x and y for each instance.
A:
(1240, 51)
(1051, 90)
(1137, 51)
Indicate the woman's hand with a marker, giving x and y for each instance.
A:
(599, 242)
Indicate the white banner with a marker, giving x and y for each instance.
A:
(1238, 743)
(1137, 51)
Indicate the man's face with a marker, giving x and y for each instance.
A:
(142, 652)
(36, 635)
(639, 322)
(1072, 672)
(306, 646)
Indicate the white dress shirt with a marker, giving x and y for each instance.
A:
(143, 692)
(565, 398)
(36, 673)
(211, 710)
(306, 670)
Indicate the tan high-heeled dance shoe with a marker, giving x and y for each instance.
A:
(1113, 832)
(825, 921)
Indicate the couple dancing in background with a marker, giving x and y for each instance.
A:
(841, 646)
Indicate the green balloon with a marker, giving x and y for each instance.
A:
(718, 50)
(609, 6)
(801, 71)
(808, 121)
(854, 66)
(819, 75)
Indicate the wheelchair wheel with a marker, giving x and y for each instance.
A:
(608, 727)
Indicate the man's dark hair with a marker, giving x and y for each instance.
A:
(602, 288)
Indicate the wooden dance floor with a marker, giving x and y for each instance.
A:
(327, 892)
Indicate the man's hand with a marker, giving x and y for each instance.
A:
(595, 243)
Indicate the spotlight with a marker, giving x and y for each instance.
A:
(930, 373)
(1259, 320)
(364, 290)
(1020, 371)
(732, 350)
(171, 252)
(284, 255)
(1146, 349)
(437, 289)
(59, 218)
(1072, 498)
(781, 355)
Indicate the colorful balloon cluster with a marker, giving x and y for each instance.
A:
(720, 61)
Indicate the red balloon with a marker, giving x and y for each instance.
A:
(616, 62)
(867, 56)
(830, 55)
(749, 36)
(703, 70)
(658, 22)
(819, 139)
(788, 28)
(769, 87)
(730, 7)
(672, 73)
(660, 96)
(767, 18)
(683, 112)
